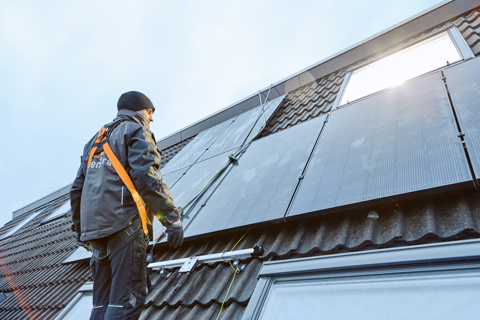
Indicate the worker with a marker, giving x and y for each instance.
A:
(118, 179)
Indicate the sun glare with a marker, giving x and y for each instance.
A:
(399, 67)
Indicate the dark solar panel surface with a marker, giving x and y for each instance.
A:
(171, 178)
(260, 187)
(193, 181)
(241, 129)
(194, 150)
(398, 141)
(464, 87)
(224, 136)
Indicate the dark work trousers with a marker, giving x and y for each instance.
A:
(119, 282)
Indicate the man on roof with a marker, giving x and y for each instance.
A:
(117, 191)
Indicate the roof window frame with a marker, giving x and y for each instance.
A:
(463, 49)
(449, 256)
(84, 291)
(56, 214)
(80, 254)
(23, 223)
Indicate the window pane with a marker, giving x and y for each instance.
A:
(81, 310)
(63, 209)
(80, 254)
(22, 224)
(439, 295)
(390, 71)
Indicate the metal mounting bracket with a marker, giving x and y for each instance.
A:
(189, 264)
(238, 266)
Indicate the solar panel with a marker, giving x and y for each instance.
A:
(193, 181)
(195, 148)
(238, 131)
(463, 81)
(157, 227)
(224, 136)
(260, 186)
(171, 178)
(398, 141)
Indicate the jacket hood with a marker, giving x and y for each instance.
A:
(125, 114)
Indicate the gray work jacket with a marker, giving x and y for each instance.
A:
(101, 203)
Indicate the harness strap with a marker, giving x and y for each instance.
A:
(115, 241)
(123, 175)
(100, 138)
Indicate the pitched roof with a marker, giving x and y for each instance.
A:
(446, 217)
(37, 283)
(31, 261)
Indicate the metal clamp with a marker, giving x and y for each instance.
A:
(189, 265)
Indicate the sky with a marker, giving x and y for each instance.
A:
(64, 64)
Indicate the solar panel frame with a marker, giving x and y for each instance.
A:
(241, 129)
(192, 152)
(224, 136)
(463, 81)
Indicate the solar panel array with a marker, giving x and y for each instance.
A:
(398, 141)
(260, 186)
(401, 140)
(196, 164)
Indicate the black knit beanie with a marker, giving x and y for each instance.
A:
(135, 101)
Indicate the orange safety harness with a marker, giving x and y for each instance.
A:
(101, 138)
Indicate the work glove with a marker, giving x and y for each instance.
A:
(175, 234)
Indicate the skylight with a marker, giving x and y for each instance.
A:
(22, 224)
(80, 254)
(81, 305)
(62, 210)
(81, 309)
(399, 67)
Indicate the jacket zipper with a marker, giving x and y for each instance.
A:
(121, 202)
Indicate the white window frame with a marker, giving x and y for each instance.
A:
(455, 36)
(23, 223)
(87, 288)
(58, 213)
(455, 255)
(80, 254)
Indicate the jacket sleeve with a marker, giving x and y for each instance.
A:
(76, 196)
(144, 161)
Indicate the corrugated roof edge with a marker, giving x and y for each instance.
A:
(52, 196)
(443, 11)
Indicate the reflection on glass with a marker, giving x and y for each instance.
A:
(440, 295)
(22, 224)
(397, 68)
(79, 254)
(82, 308)
(63, 209)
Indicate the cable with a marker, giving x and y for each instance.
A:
(225, 299)
(231, 265)
(235, 271)
(231, 159)
(239, 240)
